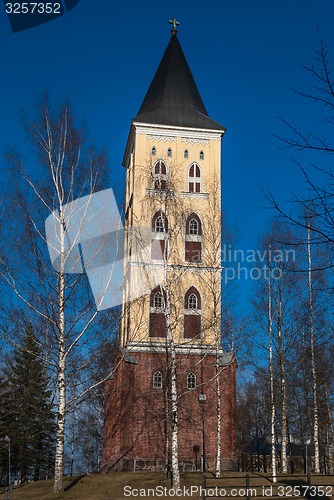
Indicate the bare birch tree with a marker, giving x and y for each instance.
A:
(164, 199)
(65, 168)
(279, 294)
(271, 376)
(312, 355)
(315, 149)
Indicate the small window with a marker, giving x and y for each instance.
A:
(154, 151)
(193, 226)
(201, 155)
(169, 152)
(158, 300)
(192, 301)
(159, 225)
(191, 381)
(186, 153)
(159, 222)
(157, 380)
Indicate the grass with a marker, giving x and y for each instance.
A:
(103, 486)
(112, 486)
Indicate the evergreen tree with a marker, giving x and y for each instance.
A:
(27, 417)
(4, 425)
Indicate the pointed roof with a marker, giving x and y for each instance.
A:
(173, 98)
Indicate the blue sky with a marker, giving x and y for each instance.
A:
(244, 56)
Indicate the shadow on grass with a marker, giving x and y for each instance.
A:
(74, 482)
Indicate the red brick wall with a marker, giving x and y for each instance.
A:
(135, 416)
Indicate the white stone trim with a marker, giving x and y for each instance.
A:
(193, 142)
(187, 194)
(160, 138)
(158, 236)
(164, 131)
(160, 348)
(193, 237)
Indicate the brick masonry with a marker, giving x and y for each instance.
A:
(135, 424)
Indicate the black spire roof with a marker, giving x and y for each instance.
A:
(173, 98)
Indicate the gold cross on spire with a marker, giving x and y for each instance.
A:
(175, 23)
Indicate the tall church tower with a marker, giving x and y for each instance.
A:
(172, 289)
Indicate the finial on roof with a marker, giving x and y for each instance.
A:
(175, 23)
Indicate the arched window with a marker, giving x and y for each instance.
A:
(159, 225)
(194, 179)
(192, 292)
(158, 300)
(186, 153)
(154, 151)
(192, 301)
(157, 380)
(157, 323)
(191, 380)
(192, 314)
(160, 176)
(201, 155)
(193, 239)
(169, 152)
(193, 226)
(159, 235)
(160, 222)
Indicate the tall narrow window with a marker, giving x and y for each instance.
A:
(191, 381)
(193, 226)
(157, 326)
(157, 380)
(159, 176)
(193, 239)
(159, 225)
(201, 155)
(192, 314)
(194, 179)
(159, 236)
(186, 153)
(169, 153)
(192, 301)
(158, 300)
(154, 151)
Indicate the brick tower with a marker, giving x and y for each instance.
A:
(173, 245)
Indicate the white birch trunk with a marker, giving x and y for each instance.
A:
(284, 464)
(218, 371)
(218, 456)
(173, 370)
(166, 419)
(312, 355)
(174, 394)
(175, 432)
(60, 431)
(271, 374)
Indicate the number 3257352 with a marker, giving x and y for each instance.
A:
(33, 8)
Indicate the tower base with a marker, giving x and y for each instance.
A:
(137, 425)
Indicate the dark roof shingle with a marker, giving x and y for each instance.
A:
(173, 98)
